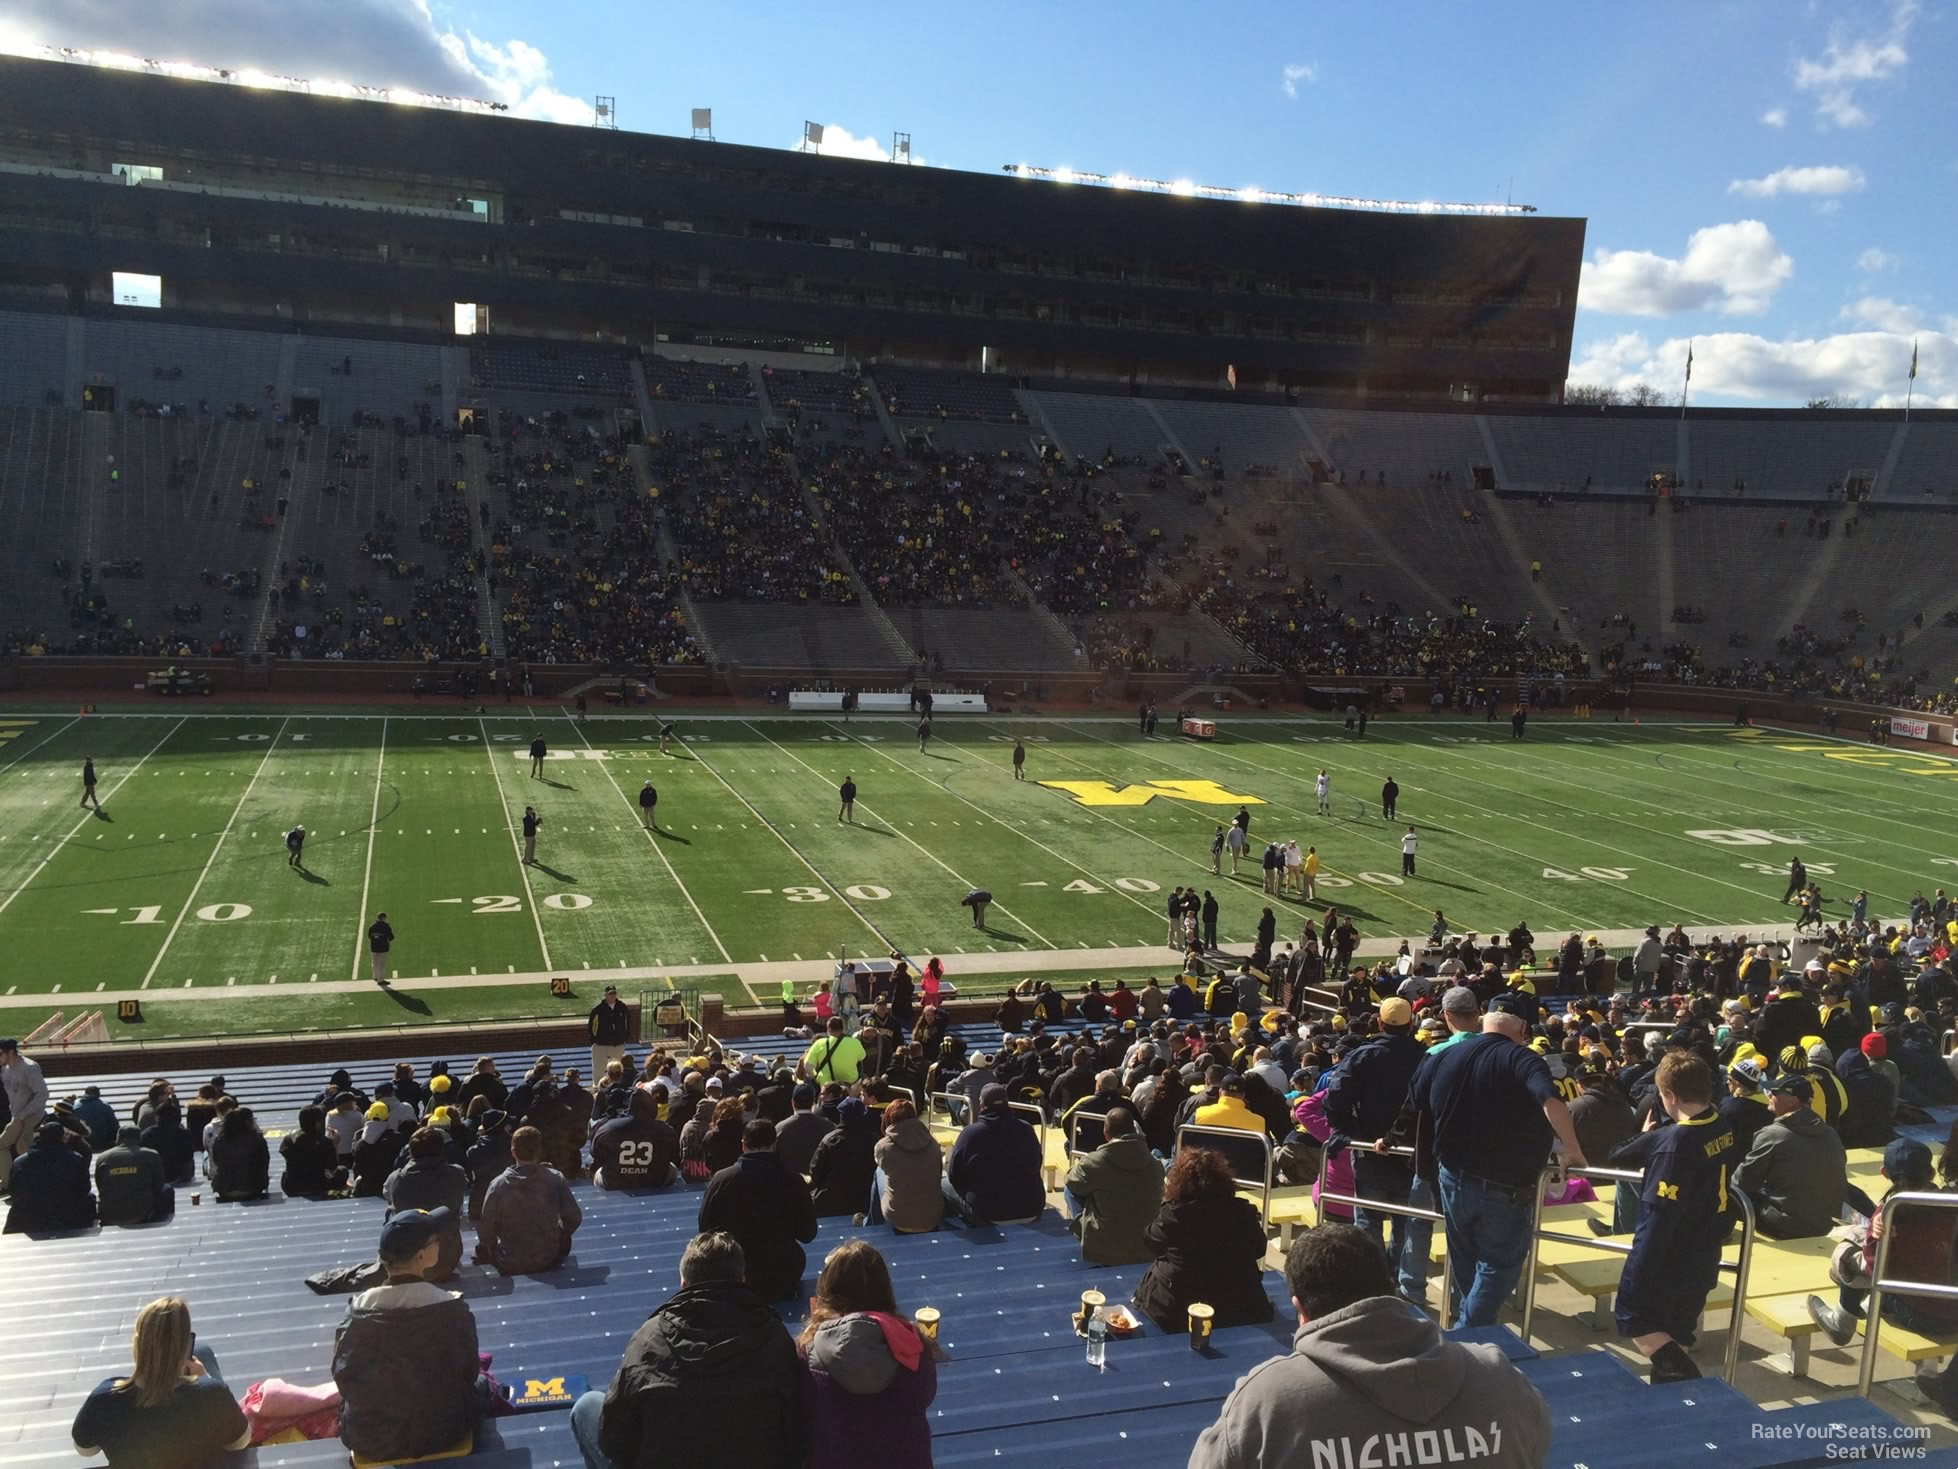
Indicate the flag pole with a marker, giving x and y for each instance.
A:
(1911, 390)
(1687, 390)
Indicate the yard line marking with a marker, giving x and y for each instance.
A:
(197, 886)
(536, 918)
(367, 873)
(653, 842)
(8, 901)
(932, 856)
(47, 740)
(883, 939)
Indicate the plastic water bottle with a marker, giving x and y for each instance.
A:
(1097, 1339)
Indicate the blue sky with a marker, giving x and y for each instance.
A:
(1776, 182)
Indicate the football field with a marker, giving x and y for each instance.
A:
(178, 892)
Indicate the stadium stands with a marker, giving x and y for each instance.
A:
(1554, 455)
(1408, 448)
(357, 375)
(34, 366)
(913, 392)
(1786, 459)
(1013, 1388)
(1087, 426)
(567, 368)
(157, 362)
(1240, 439)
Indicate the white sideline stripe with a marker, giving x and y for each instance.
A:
(205, 872)
(766, 978)
(367, 873)
(653, 842)
(9, 900)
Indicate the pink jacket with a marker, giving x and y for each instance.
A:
(1310, 1114)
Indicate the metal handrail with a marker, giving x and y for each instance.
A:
(1741, 1265)
(1039, 1117)
(1873, 1306)
(1074, 1148)
(1240, 1136)
(1324, 1195)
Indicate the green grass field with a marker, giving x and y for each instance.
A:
(179, 892)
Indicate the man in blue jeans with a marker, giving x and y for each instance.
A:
(1486, 1112)
(1364, 1101)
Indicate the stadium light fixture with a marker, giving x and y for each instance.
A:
(1186, 189)
(256, 79)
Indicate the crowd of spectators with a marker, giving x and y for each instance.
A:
(1450, 1076)
(745, 533)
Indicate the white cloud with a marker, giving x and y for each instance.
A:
(1871, 365)
(1296, 72)
(1824, 178)
(1848, 61)
(385, 43)
(1874, 261)
(1775, 117)
(840, 142)
(1882, 314)
(1732, 268)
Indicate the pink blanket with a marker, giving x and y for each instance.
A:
(276, 1406)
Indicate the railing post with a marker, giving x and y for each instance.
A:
(1529, 1265)
(1873, 1303)
(1741, 1267)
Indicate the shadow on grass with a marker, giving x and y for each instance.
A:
(560, 876)
(412, 1003)
(313, 877)
(671, 836)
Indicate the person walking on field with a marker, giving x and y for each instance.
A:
(924, 733)
(537, 753)
(531, 821)
(1019, 760)
(296, 847)
(648, 799)
(88, 782)
(1309, 873)
(1323, 786)
(380, 937)
(665, 734)
(1407, 853)
(1390, 795)
(847, 793)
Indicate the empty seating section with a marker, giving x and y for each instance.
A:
(1784, 458)
(1091, 427)
(1709, 542)
(155, 362)
(1241, 437)
(1597, 561)
(1017, 638)
(1926, 471)
(575, 562)
(574, 368)
(842, 393)
(379, 555)
(1443, 532)
(681, 380)
(789, 636)
(385, 379)
(1408, 448)
(33, 359)
(1570, 452)
(917, 392)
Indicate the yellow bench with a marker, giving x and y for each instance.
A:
(1787, 1317)
(1598, 1279)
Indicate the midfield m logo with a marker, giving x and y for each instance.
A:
(1101, 793)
